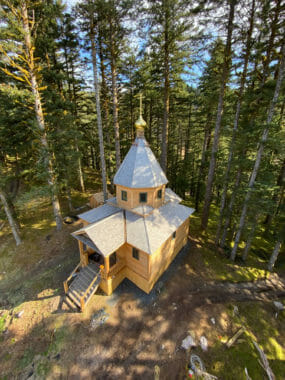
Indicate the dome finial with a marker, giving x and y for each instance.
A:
(140, 123)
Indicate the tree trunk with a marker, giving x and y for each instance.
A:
(274, 255)
(230, 209)
(250, 238)
(105, 101)
(115, 100)
(206, 143)
(11, 220)
(236, 122)
(40, 115)
(69, 199)
(226, 68)
(277, 198)
(260, 151)
(98, 108)
(164, 142)
(80, 171)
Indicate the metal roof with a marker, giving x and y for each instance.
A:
(107, 234)
(109, 230)
(140, 168)
(170, 196)
(143, 209)
(149, 233)
(98, 213)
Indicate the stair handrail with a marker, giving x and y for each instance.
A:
(65, 283)
(91, 284)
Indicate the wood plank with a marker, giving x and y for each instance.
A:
(93, 290)
(77, 289)
(76, 294)
(89, 275)
(73, 298)
(83, 281)
(92, 270)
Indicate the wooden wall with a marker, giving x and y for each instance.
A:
(138, 266)
(146, 271)
(161, 259)
(133, 199)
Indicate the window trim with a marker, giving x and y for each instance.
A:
(145, 194)
(123, 193)
(135, 252)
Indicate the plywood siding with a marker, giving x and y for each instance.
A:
(133, 197)
(161, 259)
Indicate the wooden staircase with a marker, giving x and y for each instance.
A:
(84, 282)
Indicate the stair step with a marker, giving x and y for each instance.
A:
(92, 269)
(81, 283)
(73, 297)
(87, 274)
(94, 288)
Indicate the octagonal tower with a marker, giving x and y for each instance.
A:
(140, 181)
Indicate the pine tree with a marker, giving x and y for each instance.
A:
(260, 149)
(225, 74)
(27, 70)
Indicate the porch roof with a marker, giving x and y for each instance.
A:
(106, 235)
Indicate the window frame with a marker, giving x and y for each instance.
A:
(135, 254)
(124, 193)
(159, 194)
(143, 194)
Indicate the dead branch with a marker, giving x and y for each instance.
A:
(265, 363)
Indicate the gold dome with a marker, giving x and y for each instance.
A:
(140, 123)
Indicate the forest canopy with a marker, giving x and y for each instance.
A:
(212, 78)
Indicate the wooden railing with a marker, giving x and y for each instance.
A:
(65, 283)
(82, 301)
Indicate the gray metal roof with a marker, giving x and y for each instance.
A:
(86, 240)
(146, 233)
(107, 234)
(140, 168)
(143, 209)
(98, 213)
(170, 196)
(149, 233)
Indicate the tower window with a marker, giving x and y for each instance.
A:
(136, 254)
(143, 197)
(174, 235)
(124, 195)
(112, 259)
(159, 194)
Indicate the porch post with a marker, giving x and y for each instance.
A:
(83, 255)
(107, 265)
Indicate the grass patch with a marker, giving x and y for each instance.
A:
(26, 359)
(59, 338)
(2, 323)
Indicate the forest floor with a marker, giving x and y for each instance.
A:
(131, 335)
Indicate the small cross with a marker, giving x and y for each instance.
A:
(141, 98)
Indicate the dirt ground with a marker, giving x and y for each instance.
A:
(130, 335)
